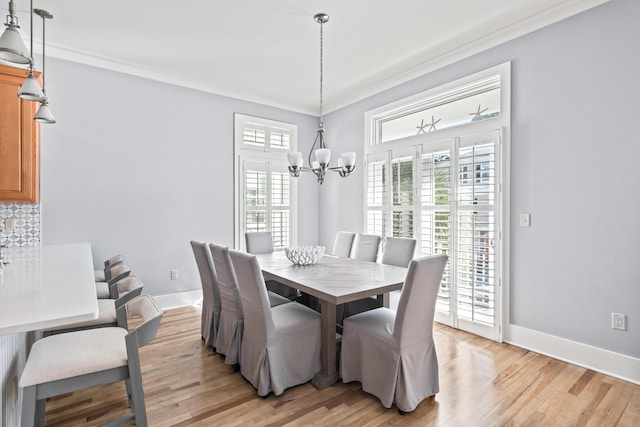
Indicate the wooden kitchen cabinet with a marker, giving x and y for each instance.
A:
(19, 141)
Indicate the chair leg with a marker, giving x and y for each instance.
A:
(28, 406)
(40, 409)
(137, 395)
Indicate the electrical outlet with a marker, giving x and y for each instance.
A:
(10, 224)
(619, 321)
(525, 220)
(174, 274)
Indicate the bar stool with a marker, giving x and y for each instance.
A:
(69, 362)
(104, 288)
(127, 289)
(111, 262)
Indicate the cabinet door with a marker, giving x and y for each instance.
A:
(19, 141)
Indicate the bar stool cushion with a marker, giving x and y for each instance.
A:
(70, 355)
(99, 276)
(102, 290)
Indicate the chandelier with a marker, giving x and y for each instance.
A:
(320, 166)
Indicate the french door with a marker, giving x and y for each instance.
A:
(446, 194)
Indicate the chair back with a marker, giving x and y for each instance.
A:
(260, 242)
(113, 261)
(125, 290)
(342, 244)
(253, 292)
(398, 251)
(365, 247)
(416, 309)
(117, 272)
(210, 291)
(227, 281)
(145, 307)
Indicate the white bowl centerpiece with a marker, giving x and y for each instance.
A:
(304, 255)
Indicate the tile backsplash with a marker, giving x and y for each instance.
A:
(27, 224)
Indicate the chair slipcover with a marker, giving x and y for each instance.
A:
(261, 242)
(342, 244)
(229, 336)
(398, 251)
(210, 293)
(280, 345)
(365, 247)
(392, 353)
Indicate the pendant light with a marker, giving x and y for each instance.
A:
(12, 47)
(44, 114)
(30, 89)
(346, 162)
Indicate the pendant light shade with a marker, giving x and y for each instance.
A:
(44, 114)
(12, 47)
(30, 89)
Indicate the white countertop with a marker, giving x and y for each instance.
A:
(46, 286)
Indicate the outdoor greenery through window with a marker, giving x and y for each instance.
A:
(265, 192)
(434, 172)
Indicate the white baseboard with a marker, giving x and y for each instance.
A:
(179, 299)
(617, 365)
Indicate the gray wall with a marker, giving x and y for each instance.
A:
(575, 89)
(139, 167)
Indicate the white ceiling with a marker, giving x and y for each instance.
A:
(268, 50)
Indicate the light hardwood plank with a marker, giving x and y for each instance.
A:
(482, 383)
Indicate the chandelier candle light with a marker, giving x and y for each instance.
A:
(320, 166)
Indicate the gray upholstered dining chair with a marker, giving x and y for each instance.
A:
(342, 244)
(365, 247)
(280, 345)
(261, 242)
(127, 289)
(211, 305)
(392, 354)
(74, 361)
(231, 324)
(398, 251)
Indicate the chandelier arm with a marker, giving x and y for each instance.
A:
(312, 147)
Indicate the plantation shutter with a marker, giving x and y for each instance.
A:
(376, 193)
(476, 230)
(435, 224)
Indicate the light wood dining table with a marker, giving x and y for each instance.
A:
(333, 281)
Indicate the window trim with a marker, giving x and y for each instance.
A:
(268, 156)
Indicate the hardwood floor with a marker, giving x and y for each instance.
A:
(482, 383)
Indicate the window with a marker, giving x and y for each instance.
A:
(447, 188)
(265, 193)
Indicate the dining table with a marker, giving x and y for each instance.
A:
(333, 281)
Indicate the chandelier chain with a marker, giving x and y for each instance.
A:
(321, 67)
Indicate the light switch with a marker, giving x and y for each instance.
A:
(525, 220)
